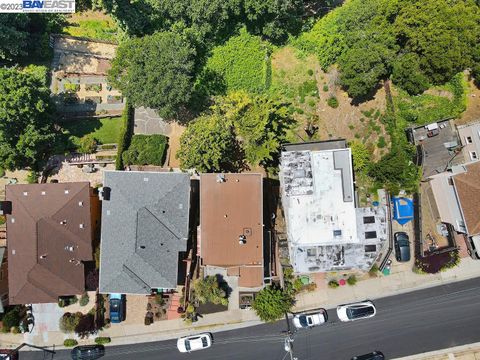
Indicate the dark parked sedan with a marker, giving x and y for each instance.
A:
(88, 352)
(376, 355)
(402, 247)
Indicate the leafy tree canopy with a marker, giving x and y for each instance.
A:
(26, 36)
(239, 128)
(242, 62)
(271, 303)
(208, 20)
(418, 42)
(155, 71)
(26, 129)
(361, 156)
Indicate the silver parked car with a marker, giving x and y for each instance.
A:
(309, 320)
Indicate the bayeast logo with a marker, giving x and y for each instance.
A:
(54, 6)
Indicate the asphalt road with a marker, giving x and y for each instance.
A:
(416, 322)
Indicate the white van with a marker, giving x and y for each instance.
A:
(474, 246)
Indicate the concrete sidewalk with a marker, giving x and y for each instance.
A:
(464, 352)
(400, 281)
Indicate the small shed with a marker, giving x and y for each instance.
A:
(402, 209)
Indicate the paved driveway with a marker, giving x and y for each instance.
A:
(47, 318)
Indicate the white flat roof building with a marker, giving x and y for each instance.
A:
(325, 231)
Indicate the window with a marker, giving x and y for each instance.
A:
(337, 233)
(473, 155)
(369, 219)
(468, 139)
(370, 248)
(370, 234)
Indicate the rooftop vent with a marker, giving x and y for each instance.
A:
(145, 179)
(69, 248)
(66, 191)
(247, 231)
(242, 239)
(43, 256)
(80, 203)
(81, 226)
(220, 178)
(25, 193)
(43, 193)
(63, 222)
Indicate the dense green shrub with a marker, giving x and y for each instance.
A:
(2, 172)
(211, 290)
(70, 342)
(32, 177)
(352, 280)
(381, 142)
(102, 340)
(333, 284)
(71, 87)
(87, 144)
(84, 299)
(243, 62)
(12, 318)
(271, 303)
(69, 321)
(146, 150)
(332, 102)
(126, 134)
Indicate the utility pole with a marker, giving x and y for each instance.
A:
(289, 339)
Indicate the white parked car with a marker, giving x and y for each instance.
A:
(303, 321)
(194, 342)
(356, 311)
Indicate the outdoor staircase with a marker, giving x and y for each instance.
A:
(174, 305)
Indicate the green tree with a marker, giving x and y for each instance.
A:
(87, 144)
(271, 303)
(155, 71)
(261, 124)
(210, 290)
(407, 74)
(209, 145)
(274, 19)
(26, 129)
(13, 35)
(361, 156)
(443, 33)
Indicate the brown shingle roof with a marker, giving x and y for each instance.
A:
(468, 190)
(229, 209)
(49, 232)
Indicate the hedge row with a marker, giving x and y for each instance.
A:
(126, 134)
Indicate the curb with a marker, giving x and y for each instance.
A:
(454, 351)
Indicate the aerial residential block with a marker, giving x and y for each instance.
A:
(145, 219)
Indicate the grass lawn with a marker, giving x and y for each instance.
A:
(106, 131)
(92, 24)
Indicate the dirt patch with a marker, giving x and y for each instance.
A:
(174, 144)
(440, 92)
(302, 81)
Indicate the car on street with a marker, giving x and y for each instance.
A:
(117, 305)
(8, 354)
(356, 311)
(375, 355)
(87, 352)
(194, 342)
(309, 320)
(402, 247)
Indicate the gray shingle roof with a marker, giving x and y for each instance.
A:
(144, 229)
